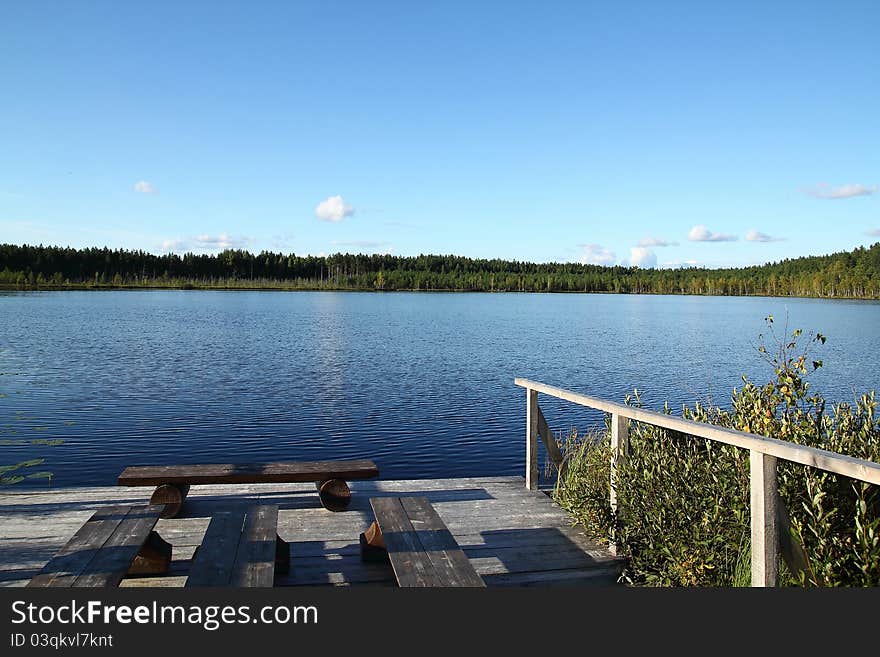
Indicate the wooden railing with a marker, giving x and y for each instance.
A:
(763, 453)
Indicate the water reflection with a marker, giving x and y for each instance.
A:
(422, 383)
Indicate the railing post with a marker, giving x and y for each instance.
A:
(531, 439)
(765, 533)
(619, 448)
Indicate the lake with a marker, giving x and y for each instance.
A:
(420, 382)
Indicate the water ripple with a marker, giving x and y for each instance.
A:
(421, 383)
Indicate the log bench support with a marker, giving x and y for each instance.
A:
(335, 495)
(282, 556)
(373, 548)
(154, 557)
(172, 496)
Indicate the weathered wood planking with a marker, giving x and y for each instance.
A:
(512, 536)
(102, 550)
(421, 549)
(764, 499)
(532, 411)
(550, 445)
(848, 466)
(768, 515)
(238, 549)
(230, 473)
(174, 481)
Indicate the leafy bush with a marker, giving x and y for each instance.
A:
(683, 502)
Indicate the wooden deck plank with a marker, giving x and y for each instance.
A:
(512, 536)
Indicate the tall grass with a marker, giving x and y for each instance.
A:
(683, 502)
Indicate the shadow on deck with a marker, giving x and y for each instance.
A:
(513, 536)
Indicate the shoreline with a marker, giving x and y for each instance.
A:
(187, 287)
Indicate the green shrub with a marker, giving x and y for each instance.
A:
(684, 501)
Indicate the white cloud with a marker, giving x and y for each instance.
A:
(655, 241)
(756, 236)
(681, 264)
(873, 233)
(334, 209)
(700, 233)
(144, 187)
(205, 242)
(824, 190)
(640, 256)
(594, 254)
(172, 245)
(221, 241)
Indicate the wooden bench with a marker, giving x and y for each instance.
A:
(241, 548)
(173, 481)
(114, 542)
(422, 551)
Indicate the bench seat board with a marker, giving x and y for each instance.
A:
(229, 473)
(102, 550)
(421, 549)
(255, 557)
(238, 549)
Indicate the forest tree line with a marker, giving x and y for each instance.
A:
(849, 274)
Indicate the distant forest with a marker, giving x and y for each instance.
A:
(853, 274)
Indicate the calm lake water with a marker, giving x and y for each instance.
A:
(421, 383)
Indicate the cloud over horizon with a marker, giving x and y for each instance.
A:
(333, 209)
(205, 242)
(382, 248)
(655, 241)
(144, 187)
(640, 256)
(680, 264)
(222, 241)
(168, 246)
(825, 191)
(874, 232)
(596, 254)
(757, 236)
(700, 233)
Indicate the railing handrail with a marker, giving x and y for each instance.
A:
(849, 466)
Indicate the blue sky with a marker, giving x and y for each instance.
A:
(566, 131)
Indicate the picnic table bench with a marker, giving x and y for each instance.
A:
(408, 532)
(114, 542)
(173, 481)
(241, 548)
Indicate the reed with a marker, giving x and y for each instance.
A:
(683, 501)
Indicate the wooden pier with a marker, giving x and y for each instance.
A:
(513, 536)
